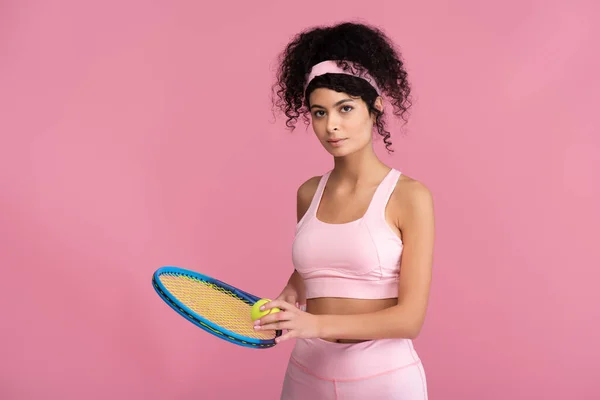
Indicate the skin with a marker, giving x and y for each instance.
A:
(356, 174)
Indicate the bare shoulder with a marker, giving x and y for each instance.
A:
(308, 188)
(409, 189)
(306, 192)
(411, 199)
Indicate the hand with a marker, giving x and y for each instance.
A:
(298, 323)
(290, 295)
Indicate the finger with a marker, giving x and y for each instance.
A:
(275, 326)
(287, 336)
(292, 301)
(282, 305)
(275, 317)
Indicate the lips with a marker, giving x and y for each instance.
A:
(335, 140)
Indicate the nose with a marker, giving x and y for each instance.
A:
(332, 124)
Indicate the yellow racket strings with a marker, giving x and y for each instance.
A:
(214, 303)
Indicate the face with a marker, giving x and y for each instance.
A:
(343, 124)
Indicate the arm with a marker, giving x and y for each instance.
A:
(294, 291)
(406, 318)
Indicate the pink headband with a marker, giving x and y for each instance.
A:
(331, 67)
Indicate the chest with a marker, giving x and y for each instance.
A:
(344, 209)
(346, 248)
(341, 208)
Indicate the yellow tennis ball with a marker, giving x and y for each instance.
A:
(255, 312)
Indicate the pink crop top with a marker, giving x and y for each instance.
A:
(359, 259)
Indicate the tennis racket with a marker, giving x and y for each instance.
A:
(218, 308)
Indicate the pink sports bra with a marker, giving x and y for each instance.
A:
(359, 259)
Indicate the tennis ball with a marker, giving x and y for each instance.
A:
(255, 312)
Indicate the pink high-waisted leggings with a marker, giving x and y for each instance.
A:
(387, 369)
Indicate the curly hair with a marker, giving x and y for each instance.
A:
(367, 47)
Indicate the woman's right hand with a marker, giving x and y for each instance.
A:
(289, 295)
(294, 292)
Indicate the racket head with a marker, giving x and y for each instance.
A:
(215, 306)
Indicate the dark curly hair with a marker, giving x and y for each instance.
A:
(360, 44)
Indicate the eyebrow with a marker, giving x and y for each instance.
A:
(335, 105)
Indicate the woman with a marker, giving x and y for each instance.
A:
(365, 234)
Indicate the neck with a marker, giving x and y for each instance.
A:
(362, 166)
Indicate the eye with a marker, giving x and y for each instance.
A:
(347, 108)
(319, 113)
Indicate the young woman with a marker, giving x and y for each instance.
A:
(365, 234)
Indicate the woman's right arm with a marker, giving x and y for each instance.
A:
(294, 292)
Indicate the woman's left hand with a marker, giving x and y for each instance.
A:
(298, 323)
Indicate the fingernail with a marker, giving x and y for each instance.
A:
(262, 308)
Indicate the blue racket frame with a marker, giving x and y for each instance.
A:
(202, 322)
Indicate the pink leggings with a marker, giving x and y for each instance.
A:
(387, 369)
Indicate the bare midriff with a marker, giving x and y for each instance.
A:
(345, 306)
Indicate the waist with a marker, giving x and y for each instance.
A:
(339, 361)
(343, 306)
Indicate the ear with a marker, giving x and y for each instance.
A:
(379, 103)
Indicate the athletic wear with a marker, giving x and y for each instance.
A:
(387, 369)
(358, 259)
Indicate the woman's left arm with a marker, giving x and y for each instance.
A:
(403, 320)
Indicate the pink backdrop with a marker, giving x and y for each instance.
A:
(136, 135)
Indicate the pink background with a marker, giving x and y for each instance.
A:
(138, 134)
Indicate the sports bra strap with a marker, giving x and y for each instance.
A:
(316, 200)
(382, 194)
